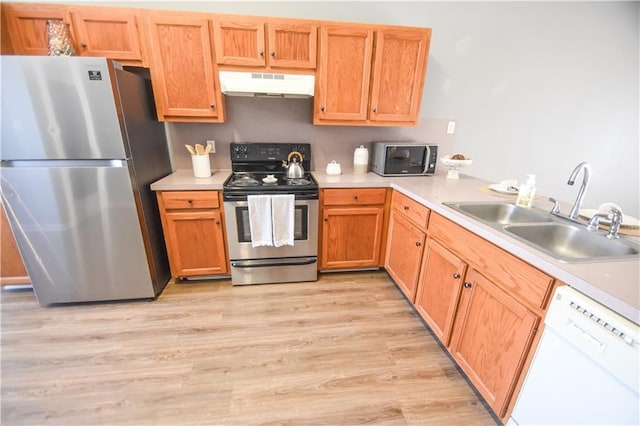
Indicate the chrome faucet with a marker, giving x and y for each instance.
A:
(614, 215)
(575, 210)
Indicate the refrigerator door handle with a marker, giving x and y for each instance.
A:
(65, 163)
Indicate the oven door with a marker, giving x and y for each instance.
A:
(239, 234)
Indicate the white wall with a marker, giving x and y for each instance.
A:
(535, 87)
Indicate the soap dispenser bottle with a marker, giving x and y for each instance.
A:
(527, 192)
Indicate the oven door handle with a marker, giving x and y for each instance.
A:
(300, 196)
(261, 263)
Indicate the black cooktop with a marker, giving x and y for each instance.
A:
(253, 165)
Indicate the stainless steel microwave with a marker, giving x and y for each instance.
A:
(404, 158)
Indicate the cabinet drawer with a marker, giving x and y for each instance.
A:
(191, 200)
(354, 196)
(516, 277)
(411, 209)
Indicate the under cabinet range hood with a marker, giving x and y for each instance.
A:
(233, 83)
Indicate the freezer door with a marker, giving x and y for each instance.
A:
(78, 231)
(58, 108)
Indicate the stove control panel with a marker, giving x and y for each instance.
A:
(267, 152)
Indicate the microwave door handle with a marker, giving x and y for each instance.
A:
(427, 156)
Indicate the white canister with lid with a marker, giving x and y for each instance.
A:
(333, 168)
(360, 160)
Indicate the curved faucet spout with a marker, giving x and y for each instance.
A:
(575, 210)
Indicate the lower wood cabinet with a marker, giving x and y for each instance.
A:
(440, 284)
(483, 304)
(193, 225)
(12, 270)
(352, 227)
(492, 337)
(406, 242)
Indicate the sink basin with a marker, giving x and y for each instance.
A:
(571, 242)
(500, 213)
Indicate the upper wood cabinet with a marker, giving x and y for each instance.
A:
(109, 32)
(358, 84)
(251, 42)
(182, 68)
(95, 31)
(399, 67)
(28, 25)
(343, 76)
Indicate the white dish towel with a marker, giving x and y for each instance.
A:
(260, 223)
(283, 218)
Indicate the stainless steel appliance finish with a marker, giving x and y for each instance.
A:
(404, 158)
(80, 148)
(251, 163)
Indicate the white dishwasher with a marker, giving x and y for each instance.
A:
(586, 368)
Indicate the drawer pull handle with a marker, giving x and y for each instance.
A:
(467, 285)
(456, 276)
(190, 201)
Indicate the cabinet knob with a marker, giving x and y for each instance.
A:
(217, 222)
(456, 276)
(83, 44)
(262, 53)
(213, 106)
(326, 219)
(418, 243)
(467, 285)
(355, 197)
(190, 201)
(322, 109)
(406, 208)
(375, 110)
(273, 53)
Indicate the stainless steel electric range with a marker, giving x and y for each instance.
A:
(251, 165)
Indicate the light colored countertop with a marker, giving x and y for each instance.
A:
(614, 284)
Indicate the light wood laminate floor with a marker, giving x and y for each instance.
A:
(347, 349)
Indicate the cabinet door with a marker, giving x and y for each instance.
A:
(182, 70)
(292, 46)
(239, 42)
(12, 270)
(398, 74)
(351, 237)
(28, 26)
(439, 289)
(344, 70)
(491, 339)
(405, 246)
(195, 243)
(108, 32)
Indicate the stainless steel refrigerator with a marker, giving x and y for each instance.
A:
(80, 147)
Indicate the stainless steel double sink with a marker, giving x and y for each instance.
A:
(562, 239)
